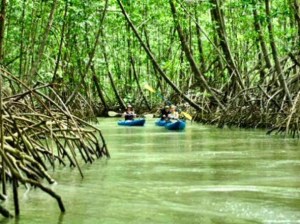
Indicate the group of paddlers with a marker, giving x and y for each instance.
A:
(166, 113)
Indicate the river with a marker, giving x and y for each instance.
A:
(200, 175)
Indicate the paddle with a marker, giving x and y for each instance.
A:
(148, 115)
(189, 117)
(113, 113)
(146, 86)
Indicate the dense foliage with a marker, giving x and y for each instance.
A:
(244, 51)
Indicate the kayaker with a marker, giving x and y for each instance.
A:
(129, 113)
(164, 113)
(173, 113)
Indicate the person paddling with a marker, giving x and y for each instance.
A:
(129, 113)
(173, 113)
(164, 113)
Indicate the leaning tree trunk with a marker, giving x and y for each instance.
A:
(155, 63)
(2, 28)
(60, 43)
(22, 47)
(119, 98)
(296, 6)
(198, 74)
(91, 53)
(159, 78)
(99, 89)
(221, 30)
(275, 54)
(36, 63)
(82, 74)
(260, 35)
(137, 82)
(128, 68)
(199, 42)
(2, 31)
(3, 175)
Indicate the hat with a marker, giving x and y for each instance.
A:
(166, 106)
(129, 105)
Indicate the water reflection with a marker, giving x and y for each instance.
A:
(201, 175)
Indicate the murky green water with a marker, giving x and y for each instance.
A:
(202, 175)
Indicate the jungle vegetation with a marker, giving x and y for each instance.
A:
(232, 63)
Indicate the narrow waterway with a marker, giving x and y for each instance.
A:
(201, 175)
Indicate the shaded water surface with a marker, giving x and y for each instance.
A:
(201, 175)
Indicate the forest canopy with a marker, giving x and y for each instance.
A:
(229, 62)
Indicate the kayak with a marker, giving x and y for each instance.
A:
(139, 122)
(162, 122)
(177, 125)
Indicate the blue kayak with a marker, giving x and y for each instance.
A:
(139, 122)
(177, 125)
(162, 122)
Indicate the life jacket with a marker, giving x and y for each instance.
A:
(164, 114)
(129, 115)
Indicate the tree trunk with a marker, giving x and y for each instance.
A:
(99, 90)
(16, 196)
(119, 98)
(128, 80)
(297, 17)
(159, 78)
(155, 63)
(22, 48)
(275, 54)
(2, 28)
(91, 55)
(221, 30)
(82, 76)
(200, 45)
(60, 43)
(36, 63)
(188, 54)
(260, 38)
(138, 83)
